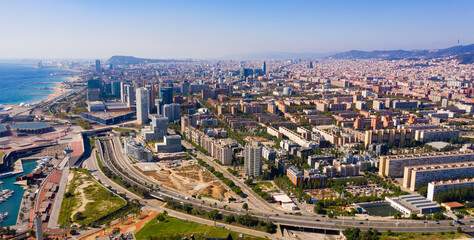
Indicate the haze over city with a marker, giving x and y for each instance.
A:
(216, 29)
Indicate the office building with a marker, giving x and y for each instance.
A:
(142, 105)
(97, 66)
(417, 176)
(116, 89)
(136, 150)
(286, 91)
(171, 111)
(184, 87)
(264, 67)
(434, 188)
(253, 159)
(170, 144)
(157, 129)
(127, 94)
(93, 90)
(166, 94)
(393, 166)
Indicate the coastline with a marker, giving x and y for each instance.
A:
(59, 84)
(59, 89)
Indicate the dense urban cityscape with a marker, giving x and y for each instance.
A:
(282, 147)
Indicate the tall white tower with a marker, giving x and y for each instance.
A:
(142, 105)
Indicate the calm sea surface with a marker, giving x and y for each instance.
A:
(24, 83)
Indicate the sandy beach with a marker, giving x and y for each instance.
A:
(59, 89)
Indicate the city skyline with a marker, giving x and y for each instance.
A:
(215, 29)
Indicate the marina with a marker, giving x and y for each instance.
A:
(10, 207)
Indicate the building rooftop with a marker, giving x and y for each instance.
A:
(458, 181)
(30, 126)
(108, 115)
(452, 204)
(3, 128)
(432, 154)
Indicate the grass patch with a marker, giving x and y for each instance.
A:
(173, 228)
(85, 200)
(266, 184)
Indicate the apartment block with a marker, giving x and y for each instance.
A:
(393, 166)
(218, 150)
(416, 176)
(295, 175)
(388, 136)
(435, 188)
(296, 138)
(427, 135)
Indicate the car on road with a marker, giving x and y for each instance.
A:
(361, 223)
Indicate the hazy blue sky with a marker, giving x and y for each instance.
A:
(207, 28)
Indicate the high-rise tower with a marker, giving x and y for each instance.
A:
(142, 105)
(253, 159)
(97, 66)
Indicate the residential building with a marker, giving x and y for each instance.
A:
(440, 134)
(295, 175)
(393, 165)
(417, 176)
(434, 188)
(253, 159)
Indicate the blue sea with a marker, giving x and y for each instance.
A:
(12, 205)
(20, 83)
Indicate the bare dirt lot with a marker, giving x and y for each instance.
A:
(189, 178)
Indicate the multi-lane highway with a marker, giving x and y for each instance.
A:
(112, 152)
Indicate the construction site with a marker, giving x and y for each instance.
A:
(187, 177)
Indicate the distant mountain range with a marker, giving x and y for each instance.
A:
(275, 55)
(464, 52)
(130, 60)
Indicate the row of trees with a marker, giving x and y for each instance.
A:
(143, 192)
(459, 194)
(245, 220)
(357, 234)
